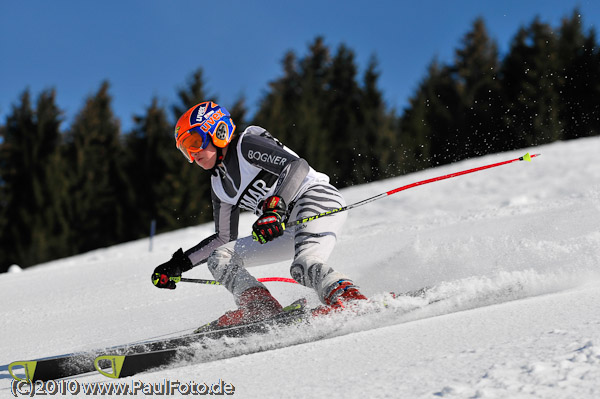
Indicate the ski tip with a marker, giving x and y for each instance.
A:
(28, 367)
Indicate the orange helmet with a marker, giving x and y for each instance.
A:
(200, 122)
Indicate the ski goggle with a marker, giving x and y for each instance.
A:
(191, 142)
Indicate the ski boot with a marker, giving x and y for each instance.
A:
(341, 294)
(255, 304)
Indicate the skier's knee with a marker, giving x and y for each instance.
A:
(301, 266)
(310, 271)
(221, 258)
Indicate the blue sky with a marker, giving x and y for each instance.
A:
(150, 48)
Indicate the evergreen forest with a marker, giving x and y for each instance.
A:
(65, 190)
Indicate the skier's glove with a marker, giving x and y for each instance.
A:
(169, 273)
(272, 222)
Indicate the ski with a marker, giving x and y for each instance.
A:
(68, 365)
(126, 360)
(120, 366)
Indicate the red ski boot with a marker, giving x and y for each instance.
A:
(255, 304)
(345, 293)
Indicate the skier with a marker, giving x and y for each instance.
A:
(256, 172)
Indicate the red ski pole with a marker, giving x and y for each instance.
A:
(525, 157)
(262, 280)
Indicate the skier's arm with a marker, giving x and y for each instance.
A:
(226, 226)
(290, 179)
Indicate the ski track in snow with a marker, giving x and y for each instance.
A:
(511, 255)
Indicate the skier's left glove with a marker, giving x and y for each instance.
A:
(169, 273)
(272, 222)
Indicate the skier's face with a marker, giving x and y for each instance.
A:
(206, 158)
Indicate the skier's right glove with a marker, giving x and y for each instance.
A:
(272, 222)
(169, 273)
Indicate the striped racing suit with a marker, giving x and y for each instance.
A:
(256, 166)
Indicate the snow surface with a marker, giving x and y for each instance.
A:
(514, 250)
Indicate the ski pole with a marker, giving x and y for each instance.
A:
(525, 157)
(215, 282)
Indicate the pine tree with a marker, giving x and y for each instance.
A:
(293, 110)
(97, 184)
(343, 121)
(319, 109)
(30, 184)
(579, 78)
(530, 81)
(414, 148)
(238, 114)
(311, 136)
(476, 67)
(382, 155)
(193, 93)
(152, 166)
(278, 108)
(432, 126)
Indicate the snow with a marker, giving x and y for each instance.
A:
(514, 250)
(14, 269)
